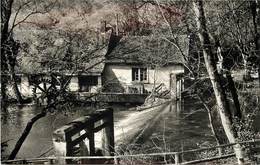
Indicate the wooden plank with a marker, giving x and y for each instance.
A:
(79, 139)
(108, 141)
(103, 125)
(76, 126)
(92, 144)
(79, 124)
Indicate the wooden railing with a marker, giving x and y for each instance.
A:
(70, 140)
(120, 159)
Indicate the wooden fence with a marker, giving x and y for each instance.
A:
(253, 145)
(70, 140)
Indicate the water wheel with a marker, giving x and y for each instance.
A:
(43, 91)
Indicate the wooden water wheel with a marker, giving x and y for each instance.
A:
(43, 91)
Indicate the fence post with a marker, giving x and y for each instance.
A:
(173, 86)
(116, 160)
(91, 140)
(61, 146)
(108, 143)
(177, 158)
(220, 151)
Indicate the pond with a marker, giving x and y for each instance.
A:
(178, 130)
(40, 138)
(174, 129)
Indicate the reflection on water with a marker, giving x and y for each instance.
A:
(40, 138)
(182, 128)
(177, 128)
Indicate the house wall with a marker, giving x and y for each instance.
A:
(121, 75)
(23, 86)
(162, 75)
(26, 88)
(114, 73)
(74, 84)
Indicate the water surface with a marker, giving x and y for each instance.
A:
(174, 129)
(40, 138)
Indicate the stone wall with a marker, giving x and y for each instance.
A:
(114, 98)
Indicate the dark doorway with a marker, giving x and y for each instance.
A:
(86, 82)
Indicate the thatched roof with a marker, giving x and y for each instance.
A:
(157, 50)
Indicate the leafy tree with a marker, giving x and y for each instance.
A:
(9, 45)
(62, 51)
(219, 91)
(210, 45)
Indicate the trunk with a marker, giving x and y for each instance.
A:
(246, 75)
(15, 87)
(233, 90)
(258, 74)
(212, 127)
(3, 93)
(6, 10)
(255, 10)
(11, 65)
(9, 48)
(6, 6)
(3, 81)
(221, 98)
(231, 85)
(25, 133)
(220, 57)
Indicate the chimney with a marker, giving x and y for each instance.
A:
(97, 39)
(103, 26)
(117, 30)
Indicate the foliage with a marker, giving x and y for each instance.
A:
(230, 28)
(58, 50)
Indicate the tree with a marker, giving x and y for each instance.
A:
(63, 50)
(58, 99)
(220, 44)
(255, 10)
(218, 33)
(9, 50)
(10, 46)
(239, 25)
(220, 94)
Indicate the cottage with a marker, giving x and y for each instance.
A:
(80, 81)
(124, 64)
(139, 64)
(79, 59)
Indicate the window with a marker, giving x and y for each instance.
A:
(135, 74)
(143, 74)
(86, 82)
(139, 74)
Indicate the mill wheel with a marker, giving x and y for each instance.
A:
(42, 91)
